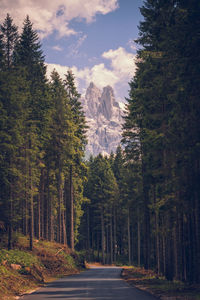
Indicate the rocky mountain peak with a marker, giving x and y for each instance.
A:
(91, 85)
(108, 90)
(107, 101)
(92, 97)
(104, 118)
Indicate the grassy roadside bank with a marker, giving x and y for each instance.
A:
(159, 286)
(22, 271)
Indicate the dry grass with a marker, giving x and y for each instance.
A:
(47, 262)
(159, 286)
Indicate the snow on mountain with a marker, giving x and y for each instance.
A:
(104, 118)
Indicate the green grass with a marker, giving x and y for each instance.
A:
(47, 261)
(16, 256)
(4, 271)
(69, 259)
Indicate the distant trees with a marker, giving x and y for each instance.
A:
(110, 227)
(101, 190)
(40, 139)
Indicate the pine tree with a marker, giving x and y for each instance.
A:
(2, 56)
(9, 33)
(60, 146)
(13, 95)
(77, 168)
(28, 55)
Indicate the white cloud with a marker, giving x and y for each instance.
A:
(122, 62)
(133, 45)
(49, 16)
(74, 48)
(62, 70)
(122, 69)
(57, 48)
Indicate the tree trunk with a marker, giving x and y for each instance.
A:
(138, 241)
(64, 235)
(115, 236)
(38, 233)
(88, 228)
(147, 230)
(71, 208)
(46, 205)
(157, 230)
(10, 219)
(31, 210)
(50, 223)
(175, 253)
(102, 237)
(111, 240)
(196, 244)
(26, 209)
(107, 244)
(59, 188)
(157, 243)
(129, 238)
(98, 247)
(42, 208)
(49, 219)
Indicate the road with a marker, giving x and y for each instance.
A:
(97, 283)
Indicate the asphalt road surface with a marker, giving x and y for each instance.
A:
(98, 283)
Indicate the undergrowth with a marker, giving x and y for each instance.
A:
(16, 256)
(22, 270)
(159, 286)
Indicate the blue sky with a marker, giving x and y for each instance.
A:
(92, 37)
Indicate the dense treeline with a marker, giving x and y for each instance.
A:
(152, 217)
(113, 210)
(42, 142)
(162, 131)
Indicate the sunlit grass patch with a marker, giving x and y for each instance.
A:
(22, 270)
(25, 259)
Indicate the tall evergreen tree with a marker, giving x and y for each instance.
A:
(28, 55)
(9, 34)
(60, 146)
(77, 168)
(13, 95)
(2, 56)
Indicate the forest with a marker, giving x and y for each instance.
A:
(42, 142)
(140, 205)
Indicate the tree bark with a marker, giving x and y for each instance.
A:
(115, 236)
(129, 238)
(59, 189)
(88, 228)
(64, 235)
(71, 208)
(31, 210)
(10, 229)
(102, 237)
(138, 241)
(111, 240)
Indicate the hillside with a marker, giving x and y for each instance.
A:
(22, 271)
